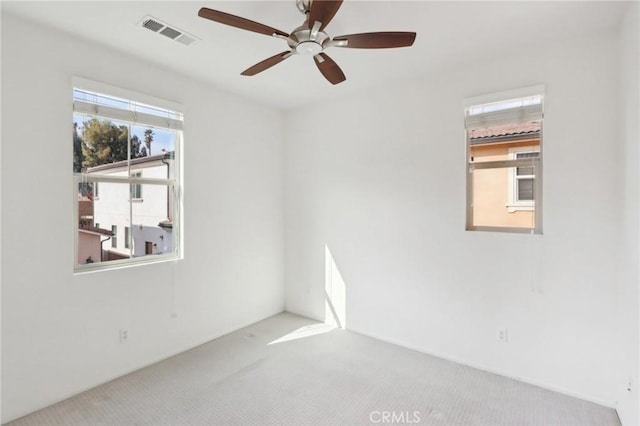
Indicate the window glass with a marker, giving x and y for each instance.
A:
(121, 147)
(503, 165)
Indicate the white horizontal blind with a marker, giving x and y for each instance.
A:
(126, 115)
(520, 114)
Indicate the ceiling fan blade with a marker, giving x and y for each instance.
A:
(323, 11)
(238, 22)
(329, 68)
(267, 63)
(381, 40)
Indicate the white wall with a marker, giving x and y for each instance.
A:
(60, 332)
(629, 402)
(380, 181)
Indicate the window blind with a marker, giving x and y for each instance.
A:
(521, 114)
(126, 115)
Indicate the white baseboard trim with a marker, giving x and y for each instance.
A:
(534, 382)
(167, 355)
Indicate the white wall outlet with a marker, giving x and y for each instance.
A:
(124, 335)
(502, 335)
(629, 386)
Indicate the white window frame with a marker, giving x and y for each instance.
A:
(514, 204)
(136, 186)
(174, 184)
(514, 106)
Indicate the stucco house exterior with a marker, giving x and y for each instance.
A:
(145, 230)
(504, 197)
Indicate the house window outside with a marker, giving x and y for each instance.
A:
(136, 189)
(114, 238)
(127, 237)
(504, 163)
(524, 179)
(128, 144)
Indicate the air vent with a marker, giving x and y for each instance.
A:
(185, 39)
(170, 32)
(152, 25)
(159, 27)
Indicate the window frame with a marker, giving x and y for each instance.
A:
(470, 166)
(136, 188)
(173, 184)
(514, 203)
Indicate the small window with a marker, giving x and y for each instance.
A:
(127, 237)
(504, 165)
(128, 145)
(114, 238)
(524, 179)
(136, 188)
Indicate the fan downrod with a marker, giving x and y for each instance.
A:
(304, 6)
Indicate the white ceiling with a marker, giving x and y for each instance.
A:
(449, 33)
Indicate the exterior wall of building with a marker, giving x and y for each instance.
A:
(161, 240)
(494, 190)
(89, 246)
(112, 208)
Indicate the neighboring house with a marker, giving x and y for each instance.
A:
(90, 236)
(505, 196)
(148, 228)
(90, 243)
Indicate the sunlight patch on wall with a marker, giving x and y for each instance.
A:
(335, 312)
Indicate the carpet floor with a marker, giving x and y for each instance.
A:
(289, 370)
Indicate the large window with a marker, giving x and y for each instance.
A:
(129, 145)
(504, 162)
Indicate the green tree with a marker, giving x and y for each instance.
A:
(78, 157)
(104, 142)
(148, 138)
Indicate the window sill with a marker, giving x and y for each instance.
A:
(125, 263)
(513, 207)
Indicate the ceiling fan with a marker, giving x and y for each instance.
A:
(310, 38)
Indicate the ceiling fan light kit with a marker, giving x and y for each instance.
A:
(309, 39)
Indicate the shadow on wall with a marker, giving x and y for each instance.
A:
(335, 307)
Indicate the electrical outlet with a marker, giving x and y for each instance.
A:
(502, 335)
(629, 386)
(124, 335)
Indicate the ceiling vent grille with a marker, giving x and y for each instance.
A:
(157, 26)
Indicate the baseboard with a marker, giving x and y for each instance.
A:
(155, 360)
(467, 363)
(304, 315)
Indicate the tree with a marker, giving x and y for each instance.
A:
(148, 138)
(104, 142)
(78, 157)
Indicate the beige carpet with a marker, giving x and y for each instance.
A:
(314, 376)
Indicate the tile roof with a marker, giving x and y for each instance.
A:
(518, 129)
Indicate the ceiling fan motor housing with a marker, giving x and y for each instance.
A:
(301, 41)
